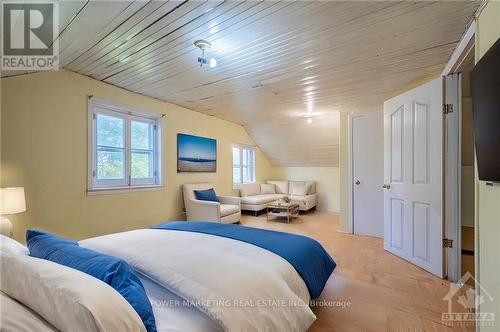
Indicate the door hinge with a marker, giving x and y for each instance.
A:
(93, 116)
(447, 108)
(447, 243)
(93, 173)
(154, 127)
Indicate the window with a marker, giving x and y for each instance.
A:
(243, 164)
(124, 147)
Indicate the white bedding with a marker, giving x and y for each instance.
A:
(172, 317)
(238, 285)
(16, 317)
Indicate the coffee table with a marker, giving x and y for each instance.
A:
(279, 209)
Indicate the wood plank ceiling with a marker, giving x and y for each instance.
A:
(277, 61)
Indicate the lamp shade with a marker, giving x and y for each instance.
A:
(12, 200)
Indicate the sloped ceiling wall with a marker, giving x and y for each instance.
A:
(277, 61)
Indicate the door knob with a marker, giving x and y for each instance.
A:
(357, 182)
(386, 186)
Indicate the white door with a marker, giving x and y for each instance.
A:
(413, 223)
(368, 174)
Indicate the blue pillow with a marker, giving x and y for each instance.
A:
(112, 270)
(206, 195)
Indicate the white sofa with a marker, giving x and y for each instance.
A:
(227, 211)
(256, 196)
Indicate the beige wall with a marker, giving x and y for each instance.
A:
(44, 149)
(487, 197)
(327, 183)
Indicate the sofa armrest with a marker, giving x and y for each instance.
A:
(230, 200)
(203, 210)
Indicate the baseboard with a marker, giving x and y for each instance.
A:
(332, 212)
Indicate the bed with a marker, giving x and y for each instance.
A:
(214, 277)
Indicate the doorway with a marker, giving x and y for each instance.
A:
(459, 170)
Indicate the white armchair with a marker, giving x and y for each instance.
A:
(228, 211)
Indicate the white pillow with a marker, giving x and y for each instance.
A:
(249, 189)
(299, 190)
(267, 188)
(281, 186)
(8, 245)
(68, 299)
(312, 187)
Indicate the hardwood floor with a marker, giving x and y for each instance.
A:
(468, 252)
(385, 292)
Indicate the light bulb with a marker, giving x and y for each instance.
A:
(310, 107)
(309, 120)
(213, 63)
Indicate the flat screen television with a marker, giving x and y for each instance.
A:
(485, 90)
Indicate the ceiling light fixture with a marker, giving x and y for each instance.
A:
(309, 120)
(204, 45)
(310, 106)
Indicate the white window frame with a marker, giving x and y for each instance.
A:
(99, 106)
(241, 147)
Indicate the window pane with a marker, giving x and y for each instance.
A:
(236, 156)
(110, 131)
(141, 135)
(236, 174)
(110, 163)
(246, 177)
(245, 157)
(142, 165)
(251, 165)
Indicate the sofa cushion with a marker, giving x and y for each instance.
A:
(298, 189)
(281, 186)
(260, 199)
(267, 188)
(305, 201)
(227, 209)
(206, 195)
(311, 184)
(249, 189)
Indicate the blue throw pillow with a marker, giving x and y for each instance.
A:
(206, 195)
(112, 270)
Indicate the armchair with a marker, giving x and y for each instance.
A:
(227, 211)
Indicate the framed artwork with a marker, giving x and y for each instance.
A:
(196, 154)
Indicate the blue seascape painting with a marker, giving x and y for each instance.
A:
(196, 154)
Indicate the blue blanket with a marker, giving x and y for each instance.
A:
(306, 255)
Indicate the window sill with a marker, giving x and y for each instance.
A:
(123, 190)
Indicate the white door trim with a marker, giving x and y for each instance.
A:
(350, 175)
(351, 170)
(452, 135)
(463, 48)
(454, 162)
